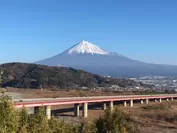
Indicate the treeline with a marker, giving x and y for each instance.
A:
(22, 75)
(14, 120)
(19, 121)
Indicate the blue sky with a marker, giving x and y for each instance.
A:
(145, 30)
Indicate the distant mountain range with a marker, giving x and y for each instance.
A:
(89, 57)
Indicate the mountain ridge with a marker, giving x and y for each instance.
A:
(108, 64)
(25, 75)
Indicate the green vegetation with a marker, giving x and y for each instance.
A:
(21, 75)
(113, 122)
(8, 116)
(18, 121)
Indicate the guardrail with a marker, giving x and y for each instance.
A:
(79, 100)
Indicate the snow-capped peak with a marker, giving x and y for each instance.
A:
(85, 47)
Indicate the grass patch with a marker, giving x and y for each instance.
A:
(162, 106)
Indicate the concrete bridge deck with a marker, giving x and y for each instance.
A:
(77, 101)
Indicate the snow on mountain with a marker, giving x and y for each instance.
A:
(85, 47)
(89, 57)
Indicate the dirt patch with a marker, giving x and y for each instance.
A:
(161, 118)
(15, 95)
(45, 93)
(145, 120)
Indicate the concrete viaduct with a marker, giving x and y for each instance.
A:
(84, 101)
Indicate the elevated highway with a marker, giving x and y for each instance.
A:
(84, 101)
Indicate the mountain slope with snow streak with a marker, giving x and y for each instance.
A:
(92, 58)
(85, 47)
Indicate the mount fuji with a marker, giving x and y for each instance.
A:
(89, 57)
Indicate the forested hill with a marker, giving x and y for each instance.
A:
(22, 75)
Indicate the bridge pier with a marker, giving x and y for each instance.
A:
(85, 110)
(172, 98)
(160, 100)
(111, 104)
(167, 99)
(76, 110)
(147, 101)
(104, 106)
(131, 103)
(125, 103)
(48, 111)
(142, 101)
(155, 100)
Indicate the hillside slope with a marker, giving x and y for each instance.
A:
(21, 75)
(91, 58)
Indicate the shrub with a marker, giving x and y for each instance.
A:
(113, 122)
(8, 116)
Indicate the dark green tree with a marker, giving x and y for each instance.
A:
(23, 121)
(8, 115)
